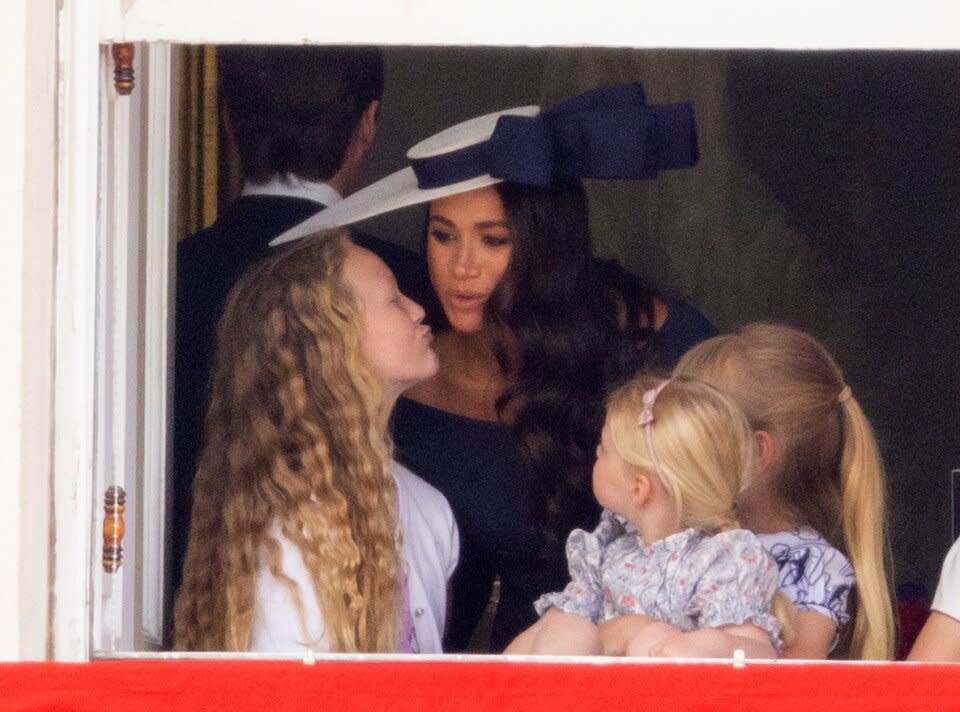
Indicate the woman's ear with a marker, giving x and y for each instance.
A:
(766, 449)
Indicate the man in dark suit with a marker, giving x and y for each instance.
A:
(303, 120)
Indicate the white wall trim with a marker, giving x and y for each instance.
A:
(883, 24)
(158, 311)
(75, 307)
(38, 234)
(14, 527)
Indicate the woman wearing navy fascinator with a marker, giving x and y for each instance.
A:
(533, 330)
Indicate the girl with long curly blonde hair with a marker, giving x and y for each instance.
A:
(298, 509)
(818, 501)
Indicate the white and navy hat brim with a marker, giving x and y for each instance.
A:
(402, 189)
(607, 133)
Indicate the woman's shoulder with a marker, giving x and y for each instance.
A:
(684, 327)
(678, 324)
(684, 318)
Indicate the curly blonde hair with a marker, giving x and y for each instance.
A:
(294, 439)
(832, 476)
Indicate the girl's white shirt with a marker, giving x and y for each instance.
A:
(431, 549)
(947, 598)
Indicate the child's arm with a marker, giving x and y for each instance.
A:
(939, 639)
(616, 633)
(557, 633)
(566, 626)
(717, 643)
(813, 636)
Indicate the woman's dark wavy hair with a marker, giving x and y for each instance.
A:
(293, 109)
(567, 330)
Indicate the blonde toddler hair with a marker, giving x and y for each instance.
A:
(703, 446)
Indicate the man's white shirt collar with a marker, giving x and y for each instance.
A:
(291, 186)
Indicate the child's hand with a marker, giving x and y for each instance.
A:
(649, 638)
(716, 643)
(523, 643)
(616, 633)
(702, 643)
(557, 633)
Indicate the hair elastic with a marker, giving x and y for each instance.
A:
(844, 395)
(645, 420)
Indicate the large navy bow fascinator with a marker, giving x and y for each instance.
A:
(607, 133)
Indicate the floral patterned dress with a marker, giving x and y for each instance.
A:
(690, 579)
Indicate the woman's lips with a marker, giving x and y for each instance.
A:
(424, 332)
(467, 300)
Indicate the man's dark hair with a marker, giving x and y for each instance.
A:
(294, 109)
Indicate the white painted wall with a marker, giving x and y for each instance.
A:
(27, 211)
(930, 24)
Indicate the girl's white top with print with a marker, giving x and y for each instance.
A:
(814, 575)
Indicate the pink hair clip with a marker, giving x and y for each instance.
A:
(645, 420)
(649, 398)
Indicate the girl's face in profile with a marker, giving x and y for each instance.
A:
(612, 477)
(395, 341)
(469, 246)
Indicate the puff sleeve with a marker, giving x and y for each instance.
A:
(583, 596)
(736, 582)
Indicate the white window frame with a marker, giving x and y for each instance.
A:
(86, 25)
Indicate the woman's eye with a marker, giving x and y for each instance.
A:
(496, 240)
(440, 236)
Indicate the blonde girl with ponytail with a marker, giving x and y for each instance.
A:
(818, 500)
(669, 571)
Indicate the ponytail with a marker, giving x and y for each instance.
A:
(831, 477)
(862, 508)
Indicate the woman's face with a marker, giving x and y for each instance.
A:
(395, 341)
(469, 246)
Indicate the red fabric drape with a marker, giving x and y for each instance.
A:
(112, 686)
